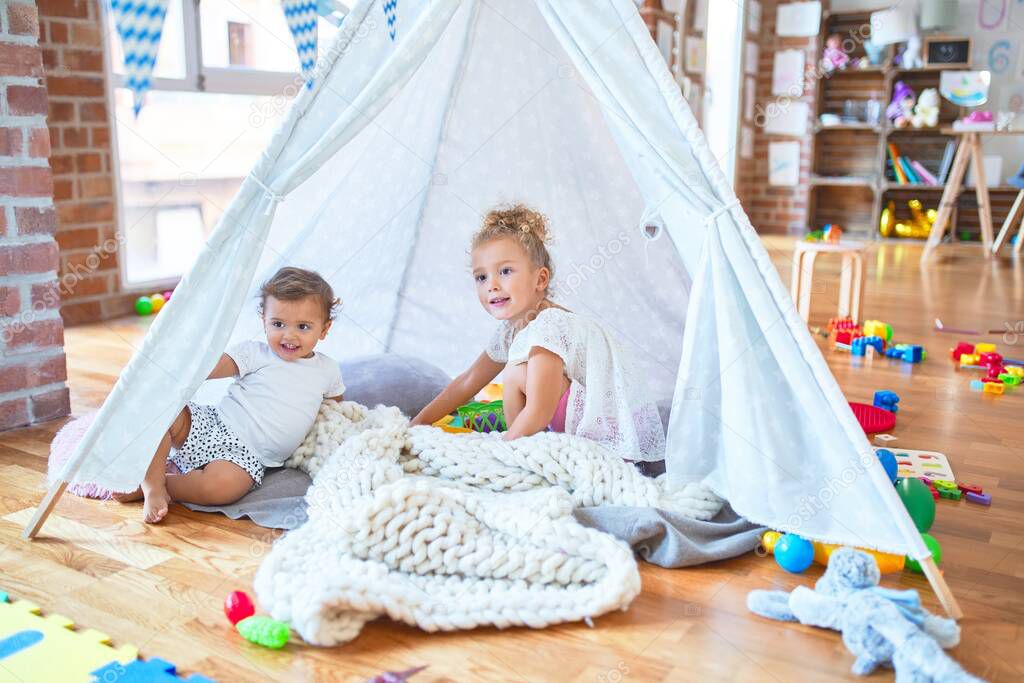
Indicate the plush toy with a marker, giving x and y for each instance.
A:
(879, 625)
(874, 52)
(911, 58)
(926, 111)
(834, 57)
(901, 109)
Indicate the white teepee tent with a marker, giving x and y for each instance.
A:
(422, 118)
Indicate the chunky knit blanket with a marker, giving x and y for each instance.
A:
(446, 531)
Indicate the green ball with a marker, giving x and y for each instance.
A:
(933, 547)
(919, 502)
(143, 305)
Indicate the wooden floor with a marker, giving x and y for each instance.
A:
(160, 587)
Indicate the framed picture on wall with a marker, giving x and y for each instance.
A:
(943, 52)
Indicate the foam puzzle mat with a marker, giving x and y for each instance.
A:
(47, 649)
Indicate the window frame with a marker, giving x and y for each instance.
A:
(197, 79)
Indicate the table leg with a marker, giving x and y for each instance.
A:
(806, 281)
(1011, 218)
(845, 289)
(954, 184)
(981, 190)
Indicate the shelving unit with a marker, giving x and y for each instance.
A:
(849, 185)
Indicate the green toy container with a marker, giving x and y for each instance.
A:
(483, 416)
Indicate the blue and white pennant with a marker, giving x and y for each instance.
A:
(301, 16)
(140, 25)
(391, 15)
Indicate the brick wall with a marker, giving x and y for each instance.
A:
(776, 209)
(72, 42)
(32, 364)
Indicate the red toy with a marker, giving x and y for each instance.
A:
(969, 488)
(238, 606)
(873, 419)
(961, 349)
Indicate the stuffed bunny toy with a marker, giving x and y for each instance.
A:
(879, 625)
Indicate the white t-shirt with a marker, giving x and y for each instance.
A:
(606, 402)
(273, 402)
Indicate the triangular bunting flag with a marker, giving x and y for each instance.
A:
(140, 24)
(391, 14)
(301, 17)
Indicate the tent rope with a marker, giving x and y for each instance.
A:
(724, 208)
(268, 193)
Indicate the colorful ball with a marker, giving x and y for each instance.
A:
(888, 460)
(933, 547)
(167, 295)
(157, 301)
(143, 305)
(793, 553)
(769, 539)
(919, 502)
(237, 606)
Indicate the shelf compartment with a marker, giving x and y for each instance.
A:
(926, 150)
(846, 153)
(848, 205)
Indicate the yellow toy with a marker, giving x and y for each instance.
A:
(984, 347)
(445, 423)
(492, 392)
(877, 328)
(969, 359)
(38, 648)
(888, 220)
(887, 563)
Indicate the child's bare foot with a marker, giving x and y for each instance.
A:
(155, 507)
(128, 497)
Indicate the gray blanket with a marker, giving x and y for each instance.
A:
(659, 537)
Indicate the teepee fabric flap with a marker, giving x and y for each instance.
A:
(191, 332)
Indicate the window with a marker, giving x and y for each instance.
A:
(215, 103)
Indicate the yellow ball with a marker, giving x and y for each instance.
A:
(768, 540)
(158, 302)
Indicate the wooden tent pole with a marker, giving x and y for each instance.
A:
(43, 510)
(941, 588)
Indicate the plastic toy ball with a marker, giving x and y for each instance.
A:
(238, 606)
(158, 302)
(167, 295)
(933, 547)
(143, 305)
(888, 460)
(919, 502)
(264, 631)
(769, 539)
(794, 554)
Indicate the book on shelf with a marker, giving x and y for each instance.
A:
(923, 173)
(909, 171)
(897, 168)
(947, 162)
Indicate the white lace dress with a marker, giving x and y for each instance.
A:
(606, 400)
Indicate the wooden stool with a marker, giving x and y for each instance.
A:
(851, 278)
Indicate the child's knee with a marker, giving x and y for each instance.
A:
(221, 485)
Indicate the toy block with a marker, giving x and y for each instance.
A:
(155, 670)
(969, 488)
(979, 498)
(968, 359)
(914, 354)
(945, 484)
(1009, 380)
(984, 348)
(990, 359)
(1015, 370)
(977, 385)
(951, 494)
(858, 347)
(995, 388)
(877, 328)
(47, 648)
(887, 400)
(961, 349)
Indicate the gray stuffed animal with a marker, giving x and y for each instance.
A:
(879, 625)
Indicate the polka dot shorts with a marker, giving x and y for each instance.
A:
(210, 439)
